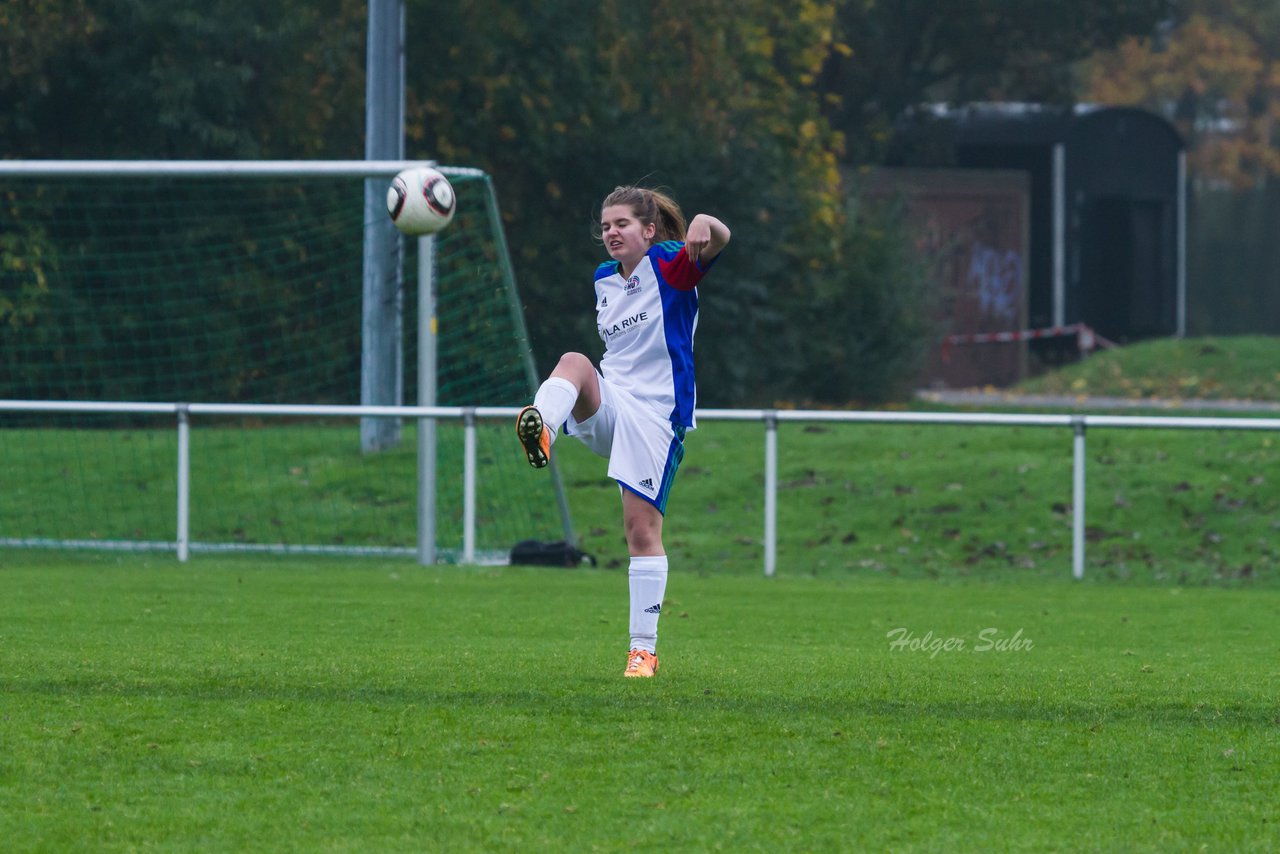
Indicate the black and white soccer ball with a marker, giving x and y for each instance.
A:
(421, 201)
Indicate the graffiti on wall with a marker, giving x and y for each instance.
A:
(995, 279)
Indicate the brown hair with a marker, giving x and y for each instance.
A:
(649, 206)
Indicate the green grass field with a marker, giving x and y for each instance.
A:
(1237, 368)
(303, 706)
(922, 674)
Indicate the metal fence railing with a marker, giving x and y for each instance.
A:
(1078, 424)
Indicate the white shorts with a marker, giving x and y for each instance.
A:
(643, 448)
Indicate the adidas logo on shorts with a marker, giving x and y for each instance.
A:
(647, 483)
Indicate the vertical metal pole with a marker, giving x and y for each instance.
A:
(426, 397)
(184, 483)
(1060, 236)
(469, 486)
(1077, 500)
(381, 354)
(1181, 237)
(770, 493)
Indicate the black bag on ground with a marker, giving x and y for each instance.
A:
(539, 553)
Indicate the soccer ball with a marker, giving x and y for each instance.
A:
(420, 201)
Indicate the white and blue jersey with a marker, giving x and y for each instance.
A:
(647, 323)
(647, 386)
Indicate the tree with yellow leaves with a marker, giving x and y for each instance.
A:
(1214, 70)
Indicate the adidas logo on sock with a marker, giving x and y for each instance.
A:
(654, 609)
(647, 483)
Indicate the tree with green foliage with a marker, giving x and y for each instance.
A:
(160, 79)
(565, 104)
(177, 79)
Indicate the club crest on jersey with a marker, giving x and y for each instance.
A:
(632, 286)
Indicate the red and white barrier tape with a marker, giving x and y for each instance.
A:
(1086, 339)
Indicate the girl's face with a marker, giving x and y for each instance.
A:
(624, 236)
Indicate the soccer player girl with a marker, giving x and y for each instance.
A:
(634, 410)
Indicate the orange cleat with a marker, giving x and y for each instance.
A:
(534, 436)
(641, 663)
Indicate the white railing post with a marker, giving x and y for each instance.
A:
(469, 485)
(426, 491)
(770, 493)
(1077, 497)
(184, 483)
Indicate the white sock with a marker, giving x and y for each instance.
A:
(555, 400)
(648, 582)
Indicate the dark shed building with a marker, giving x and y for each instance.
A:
(1107, 209)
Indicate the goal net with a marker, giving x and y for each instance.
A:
(233, 283)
